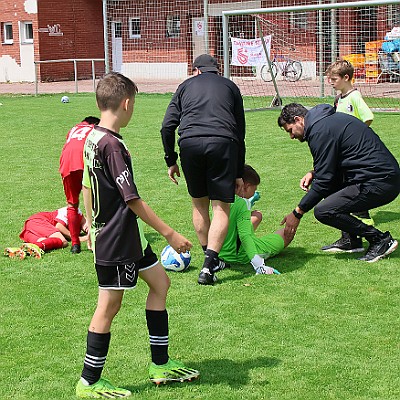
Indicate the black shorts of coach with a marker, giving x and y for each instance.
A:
(124, 276)
(210, 165)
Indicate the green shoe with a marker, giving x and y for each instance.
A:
(32, 250)
(172, 371)
(15, 252)
(102, 389)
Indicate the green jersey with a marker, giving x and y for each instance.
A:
(241, 244)
(352, 103)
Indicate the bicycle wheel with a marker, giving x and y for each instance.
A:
(293, 72)
(267, 73)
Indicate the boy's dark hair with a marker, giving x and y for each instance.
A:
(112, 89)
(250, 175)
(341, 68)
(92, 120)
(289, 112)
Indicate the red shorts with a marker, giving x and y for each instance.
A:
(73, 186)
(37, 228)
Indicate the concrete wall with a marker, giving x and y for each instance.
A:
(16, 58)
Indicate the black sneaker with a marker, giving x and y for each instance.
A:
(221, 265)
(76, 249)
(380, 249)
(345, 245)
(206, 277)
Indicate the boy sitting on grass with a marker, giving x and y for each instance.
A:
(241, 245)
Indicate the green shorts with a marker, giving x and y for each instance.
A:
(267, 246)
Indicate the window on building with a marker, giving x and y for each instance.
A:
(117, 29)
(173, 26)
(7, 33)
(26, 32)
(134, 28)
(298, 20)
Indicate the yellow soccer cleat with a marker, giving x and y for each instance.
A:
(32, 250)
(15, 252)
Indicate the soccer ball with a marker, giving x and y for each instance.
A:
(65, 99)
(173, 261)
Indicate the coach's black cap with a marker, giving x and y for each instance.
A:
(205, 63)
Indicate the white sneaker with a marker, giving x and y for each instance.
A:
(264, 270)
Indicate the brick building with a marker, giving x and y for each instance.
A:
(159, 39)
(33, 30)
(154, 39)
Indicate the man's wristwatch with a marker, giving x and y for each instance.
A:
(297, 214)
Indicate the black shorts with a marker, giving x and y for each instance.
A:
(121, 277)
(210, 167)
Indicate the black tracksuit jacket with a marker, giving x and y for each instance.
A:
(205, 105)
(345, 152)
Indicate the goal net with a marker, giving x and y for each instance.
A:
(155, 43)
(302, 43)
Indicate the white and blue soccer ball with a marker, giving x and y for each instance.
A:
(65, 99)
(173, 261)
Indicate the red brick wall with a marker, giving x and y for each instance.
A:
(81, 23)
(154, 45)
(13, 11)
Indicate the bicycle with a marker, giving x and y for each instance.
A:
(289, 69)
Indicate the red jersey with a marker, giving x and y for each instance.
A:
(43, 224)
(72, 153)
(52, 217)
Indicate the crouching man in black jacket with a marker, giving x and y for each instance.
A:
(353, 171)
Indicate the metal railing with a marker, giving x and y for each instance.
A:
(73, 60)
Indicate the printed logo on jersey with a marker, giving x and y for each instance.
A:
(122, 178)
(350, 108)
(90, 151)
(97, 227)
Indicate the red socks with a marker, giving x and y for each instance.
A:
(74, 224)
(50, 244)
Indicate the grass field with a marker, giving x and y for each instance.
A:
(327, 328)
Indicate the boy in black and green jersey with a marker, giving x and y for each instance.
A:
(241, 245)
(121, 253)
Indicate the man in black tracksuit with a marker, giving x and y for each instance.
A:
(353, 172)
(208, 109)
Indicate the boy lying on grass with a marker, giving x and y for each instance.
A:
(45, 231)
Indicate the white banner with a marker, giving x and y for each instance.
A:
(199, 27)
(250, 52)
